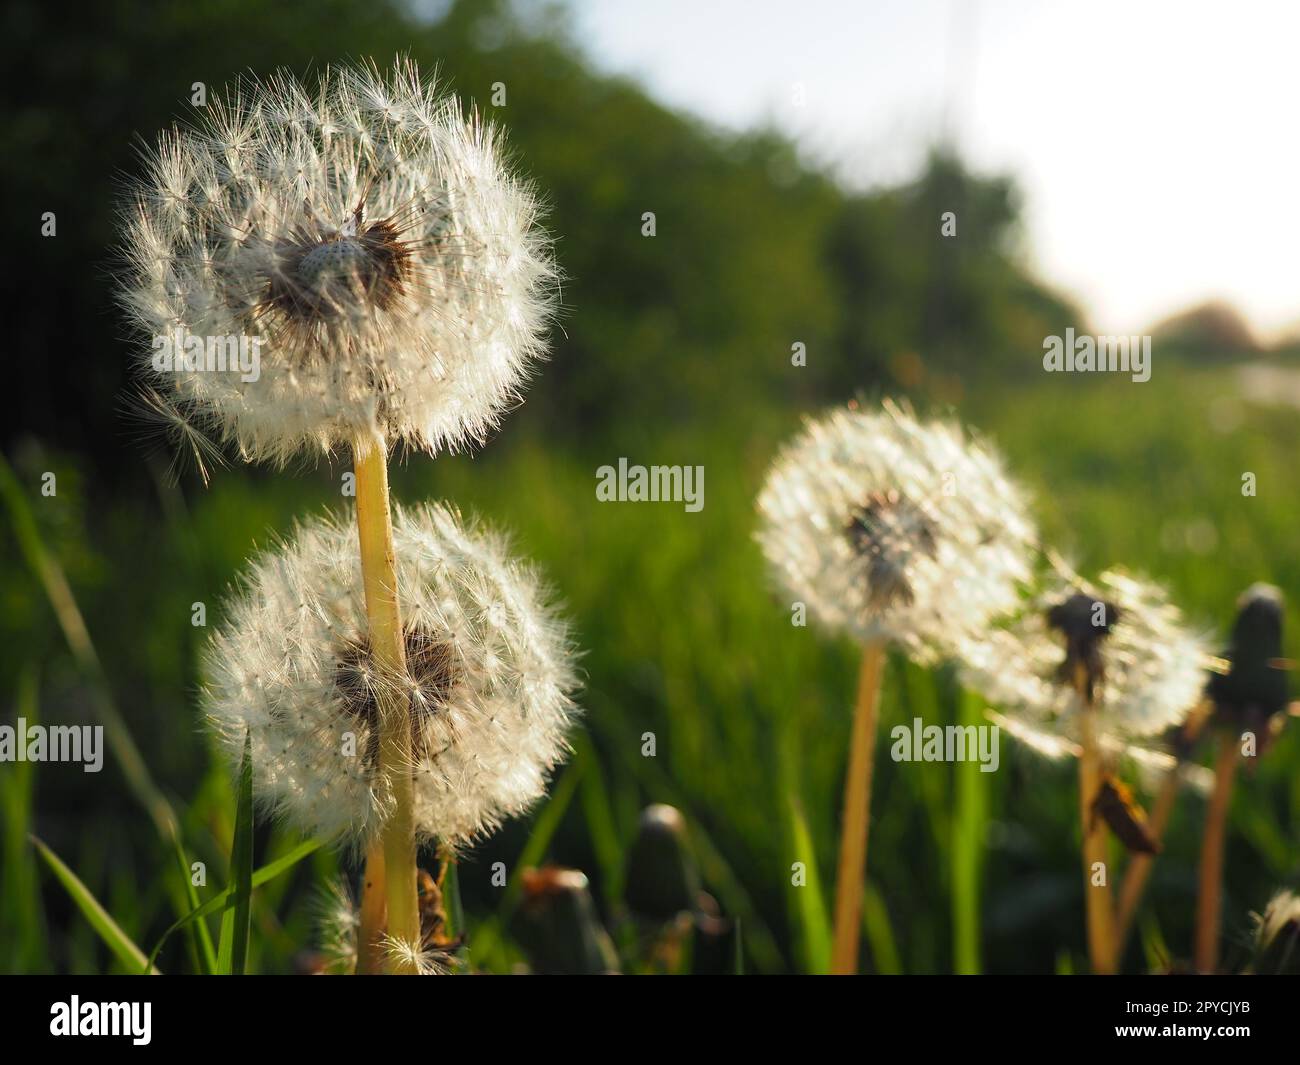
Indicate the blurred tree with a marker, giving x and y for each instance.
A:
(753, 252)
(1208, 331)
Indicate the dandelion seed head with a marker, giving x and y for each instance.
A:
(889, 527)
(1146, 667)
(488, 680)
(370, 236)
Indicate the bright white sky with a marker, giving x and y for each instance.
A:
(1157, 142)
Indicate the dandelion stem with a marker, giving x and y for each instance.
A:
(374, 912)
(857, 814)
(379, 573)
(1211, 884)
(1100, 915)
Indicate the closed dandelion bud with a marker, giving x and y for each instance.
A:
(489, 671)
(1254, 690)
(891, 528)
(1277, 937)
(558, 927)
(661, 880)
(366, 239)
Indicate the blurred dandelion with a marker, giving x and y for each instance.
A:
(1097, 671)
(895, 531)
(1143, 668)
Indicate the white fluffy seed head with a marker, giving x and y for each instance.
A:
(1150, 666)
(489, 673)
(893, 528)
(369, 236)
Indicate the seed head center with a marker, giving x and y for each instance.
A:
(890, 532)
(426, 686)
(334, 260)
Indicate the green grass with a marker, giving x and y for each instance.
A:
(683, 639)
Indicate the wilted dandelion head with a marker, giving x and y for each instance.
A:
(1142, 669)
(893, 528)
(368, 235)
(489, 671)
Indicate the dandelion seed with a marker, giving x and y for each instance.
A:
(369, 236)
(415, 958)
(174, 428)
(488, 678)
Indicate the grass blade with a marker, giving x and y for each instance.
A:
(100, 920)
(970, 804)
(597, 808)
(201, 938)
(233, 953)
(879, 933)
(226, 900)
(68, 615)
(22, 920)
(809, 905)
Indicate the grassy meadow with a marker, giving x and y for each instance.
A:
(681, 638)
(671, 350)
